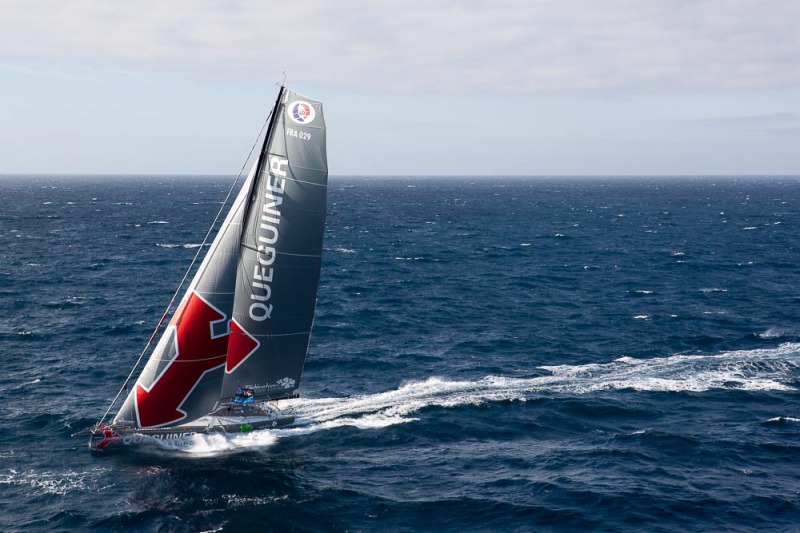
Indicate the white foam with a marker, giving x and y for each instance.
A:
(188, 245)
(771, 333)
(210, 445)
(57, 483)
(784, 419)
(750, 370)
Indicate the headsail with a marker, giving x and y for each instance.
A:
(181, 380)
(281, 247)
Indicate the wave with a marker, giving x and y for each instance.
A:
(783, 419)
(771, 333)
(750, 370)
(188, 245)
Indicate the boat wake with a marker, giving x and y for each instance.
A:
(776, 369)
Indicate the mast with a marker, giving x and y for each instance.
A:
(260, 162)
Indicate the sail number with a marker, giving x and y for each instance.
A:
(302, 135)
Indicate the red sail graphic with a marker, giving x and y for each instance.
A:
(198, 352)
(241, 345)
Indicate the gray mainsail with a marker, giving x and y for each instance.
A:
(280, 254)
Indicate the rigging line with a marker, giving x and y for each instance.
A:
(188, 271)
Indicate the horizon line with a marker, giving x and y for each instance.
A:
(396, 176)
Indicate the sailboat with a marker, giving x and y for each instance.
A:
(237, 342)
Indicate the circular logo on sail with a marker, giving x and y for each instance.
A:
(301, 112)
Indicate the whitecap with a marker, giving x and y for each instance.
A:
(188, 246)
(784, 419)
(771, 333)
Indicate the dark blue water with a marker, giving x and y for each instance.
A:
(488, 355)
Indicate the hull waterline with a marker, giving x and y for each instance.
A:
(116, 435)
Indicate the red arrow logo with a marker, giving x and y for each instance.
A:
(198, 352)
(241, 345)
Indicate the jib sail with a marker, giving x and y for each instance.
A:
(181, 381)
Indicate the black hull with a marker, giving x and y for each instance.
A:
(111, 436)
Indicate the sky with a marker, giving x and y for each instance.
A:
(411, 87)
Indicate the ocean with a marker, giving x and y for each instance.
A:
(489, 354)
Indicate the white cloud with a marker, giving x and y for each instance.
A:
(448, 46)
